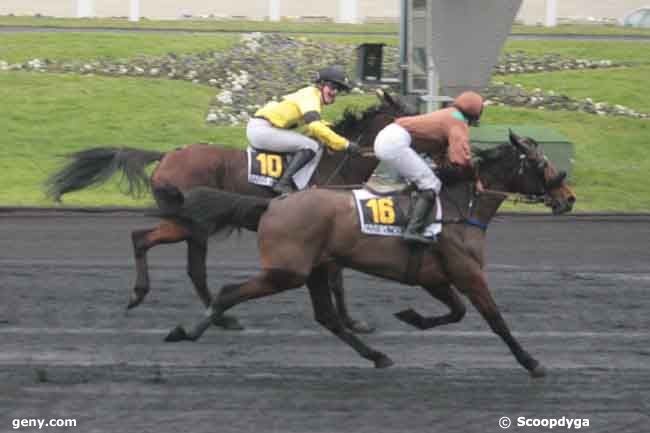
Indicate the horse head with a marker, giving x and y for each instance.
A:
(521, 166)
(538, 176)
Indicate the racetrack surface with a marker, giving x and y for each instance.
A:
(574, 290)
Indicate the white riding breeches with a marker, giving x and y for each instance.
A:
(262, 134)
(393, 145)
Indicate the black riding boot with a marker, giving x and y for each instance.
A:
(418, 221)
(299, 160)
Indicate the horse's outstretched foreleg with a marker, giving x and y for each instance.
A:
(326, 315)
(335, 278)
(445, 294)
(143, 240)
(196, 269)
(479, 294)
(267, 283)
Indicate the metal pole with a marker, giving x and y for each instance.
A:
(551, 13)
(274, 10)
(433, 86)
(85, 9)
(134, 10)
(403, 47)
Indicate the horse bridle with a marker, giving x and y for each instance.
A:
(519, 171)
(540, 165)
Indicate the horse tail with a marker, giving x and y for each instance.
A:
(208, 210)
(95, 166)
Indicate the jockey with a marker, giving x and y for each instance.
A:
(441, 134)
(270, 127)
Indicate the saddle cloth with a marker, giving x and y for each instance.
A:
(384, 215)
(266, 168)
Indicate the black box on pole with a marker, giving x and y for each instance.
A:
(370, 58)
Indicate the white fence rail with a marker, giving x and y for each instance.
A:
(547, 12)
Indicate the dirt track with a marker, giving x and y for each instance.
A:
(576, 292)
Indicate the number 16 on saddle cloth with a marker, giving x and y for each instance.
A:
(382, 215)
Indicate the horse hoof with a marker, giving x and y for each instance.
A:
(228, 323)
(383, 362)
(538, 371)
(134, 302)
(136, 298)
(410, 317)
(360, 327)
(177, 334)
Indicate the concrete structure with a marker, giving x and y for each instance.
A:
(531, 12)
(453, 45)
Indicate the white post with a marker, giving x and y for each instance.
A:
(551, 13)
(348, 11)
(85, 9)
(274, 10)
(134, 10)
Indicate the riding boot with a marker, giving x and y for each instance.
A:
(418, 221)
(299, 160)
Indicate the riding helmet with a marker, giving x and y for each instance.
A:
(334, 75)
(470, 104)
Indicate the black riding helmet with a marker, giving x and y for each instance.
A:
(335, 75)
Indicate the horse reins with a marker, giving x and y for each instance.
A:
(516, 197)
(341, 164)
(337, 170)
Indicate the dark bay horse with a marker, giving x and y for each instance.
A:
(329, 231)
(218, 167)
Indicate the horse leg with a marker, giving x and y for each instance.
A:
(445, 294)
(335, 277)
(266, 283)
(481, 298)
(164, 233)
(196, 269)
(326, 315)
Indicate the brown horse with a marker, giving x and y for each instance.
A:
(301, 234)
(217, 167)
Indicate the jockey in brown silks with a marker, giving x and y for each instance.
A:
(271, 126)
(442, 134)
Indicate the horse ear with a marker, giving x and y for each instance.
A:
(402, 108)
(515, 140)
(385, 98)
(381, 95)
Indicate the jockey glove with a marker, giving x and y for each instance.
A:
(353, 148)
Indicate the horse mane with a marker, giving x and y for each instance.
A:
(490, 162)
(501, 152)
(495, 163)
(491, 153)
(353, 118)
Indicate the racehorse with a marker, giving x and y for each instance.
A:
(300, 234)
(217, 167)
